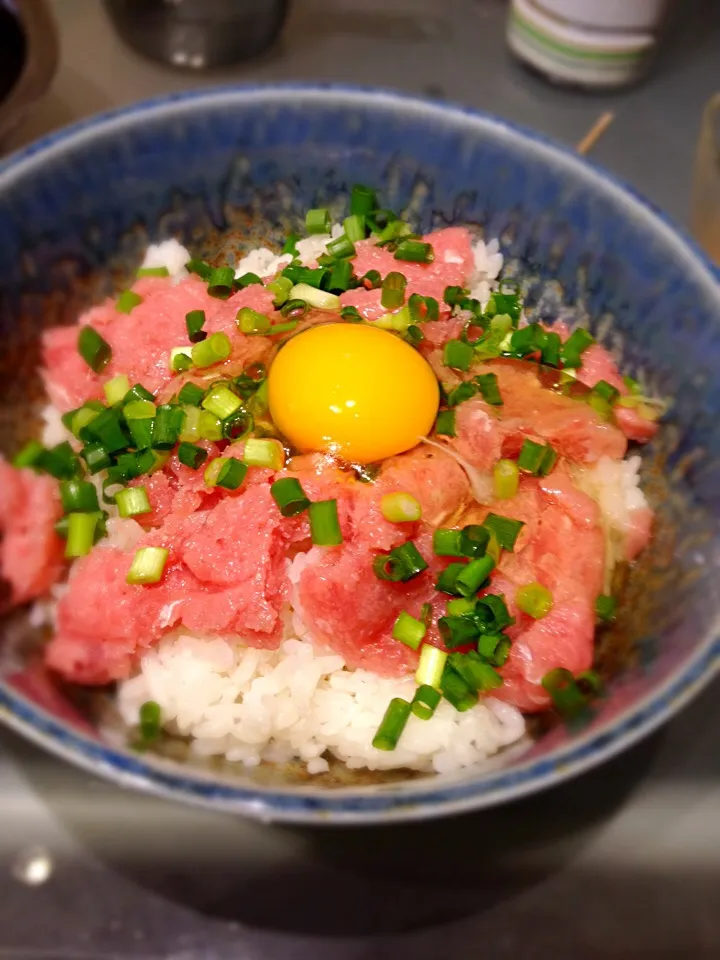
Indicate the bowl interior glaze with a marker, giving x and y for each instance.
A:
(228, 169)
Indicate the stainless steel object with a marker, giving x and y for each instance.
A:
(198, 34)
(28, 58)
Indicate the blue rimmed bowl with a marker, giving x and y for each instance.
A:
(229, 168)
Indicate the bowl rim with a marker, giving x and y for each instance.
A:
(432, 796)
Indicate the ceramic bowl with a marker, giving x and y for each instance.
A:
(228, 168)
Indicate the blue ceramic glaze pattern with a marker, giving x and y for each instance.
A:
(257, 158)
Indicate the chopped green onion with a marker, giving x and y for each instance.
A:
(180, 359)
(474, 575)
(225, 472)
(372, 280)
(573, 348)
(605, 606)
(458, 355)
(199, 267)
(96, 457)
(448, 577)
(534, 599)
(350, 315)
(153, 272)
(341, 277)
(138, 392)
(493, 548)
(431, 665)
(453, 295)
(392, 725)
(116, 389)
(551, 350)
(280, 290)
(487, 382)
(221, 401)
(81, 533)
(445, 423)
(458, 631)
(392, 232)
(150, 722)
(548, 461)
(191, 455)
(82, 418)
(30, 455)
(393, 291)
(95, 351)
(148, 565)
(423, 308)
(195, 321)
(318, 299)
(456, 691)
(294, 309)
(209, 427)
(248, 280)
(606, 390)
(425, 702)
(400, 507)
(504, 529)
(317, 221)
(388, 567)
(167, 426)
(109, 430)
(341, 247)
(415, 251)
(324, 524)
(354, 227)
(474, 540)
(251, 322)
(139, 410)
(463, 391)
(191, 394)
(528, 340)
(492, 611)
(362, 200)
(133, 501)
(269, 454)
(408, 630)
(398, 321)
(289, 496)
(531, 456)
(290, 245)
(299, 274)
(127, 301)
(506, 303)
(78, 496)
(461, 607)
(479, 676)
(447, 543)
(221, 282)
(401, 564)
(238, 425)
(567, 697)
(214, 349)
(506, 479)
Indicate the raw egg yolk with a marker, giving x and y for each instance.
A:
(353, 390)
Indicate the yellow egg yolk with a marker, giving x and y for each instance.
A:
(353, 390)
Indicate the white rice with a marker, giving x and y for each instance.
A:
(301, 702)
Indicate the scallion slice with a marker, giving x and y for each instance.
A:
(108, 428)
(567, 697)
(551, 350)
(527, 340)
(290, 245)
(153, 272)
(148, 565)
(180, 359)
(116, 388)
(221, 282)
(400, 507)
(127, 301)
(214, 349)
(248, 280)
(423, 308)
(505, 529)
(446, 581)
(137, 392)
(251, 322)
(445, 424)
(534, 599)
(95, 351)
(324, 524)
(415, 251)
(350, 315)
(474, 540)
(150, 722)
(363, 200)
(289, 496)
(605, 607)
(30, 455)
(506, 479)
(458, 355)
(280, 290)
(191, 394)
(96, 457)
(447, 543)
(477, 674)
(458, 631)
(199, 267)
(191, 455)
(487, 382)
(195, 321)
(574, 347)
(226, 472)
(456, 691)
(372, 280)
(81, 533)
(342, 247)
(474, 575)
(393, 291)
(132, 502)
(167, 426)
(78, 496)
(425, 702)
(266, 453)
(393, 724)
(408, 630)
(319, 299)
(354, 227)
(531, 456)
(317, 220)
(221, 401)
(430, 666)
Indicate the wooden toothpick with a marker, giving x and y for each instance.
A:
(595, 132)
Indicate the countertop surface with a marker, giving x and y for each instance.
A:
(622, 862)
